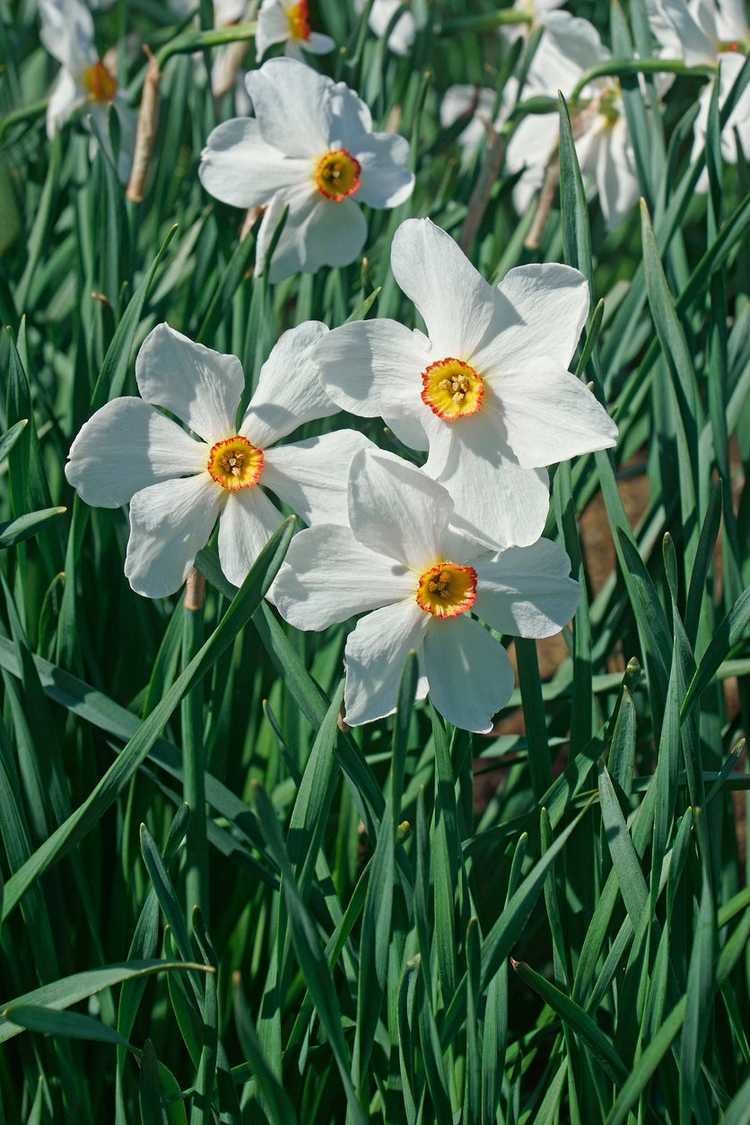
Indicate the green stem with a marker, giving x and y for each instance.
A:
(486, 22)
(193, 755)
(25, 113)
(614, 67)
(198, 40)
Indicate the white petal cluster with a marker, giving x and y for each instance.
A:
(518, 338)
(714, 32)
(287, 22)
(132, 451)
(309, 152)
(400, 525)
(84, 82)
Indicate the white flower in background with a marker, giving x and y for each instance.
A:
(84, 82)
(178, 485)
(716, 32)
(310, 147)
(420, 582)
(570, 47)
(477, 105)
(536, 10)
(287, 22)
(404, 32)
(487, 390)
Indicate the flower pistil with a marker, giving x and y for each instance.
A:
(452, 389)
(235, 463)
(447, 589)
(100, 83)
(337, 175)
(299, 23)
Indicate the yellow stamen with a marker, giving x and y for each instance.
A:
(100, 83)
(337, 175)
(452, 389)
(447, 589)
(235, 463)
(298, 18)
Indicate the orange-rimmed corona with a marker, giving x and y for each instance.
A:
(100, 83)
(337, 175)
(235, 463)
(298, 17)
(452, 389)
(447, 589)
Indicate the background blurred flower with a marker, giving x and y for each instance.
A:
(405, 29)
(288, 22)
(178, 485)
(419, 581)
(715, 32)
(310, 148)
(84, 82)
(487, 390)
(569, 47)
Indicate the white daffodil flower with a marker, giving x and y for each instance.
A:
(310, 148)
(716, 32)
(402, 36)
(570, 47)
(84, 82)
(477, 105)
(288, 22)
(487, 390)
(420, 582)
(178, 484)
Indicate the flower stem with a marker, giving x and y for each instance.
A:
(507, 17)
(198, 40)
(193, 764)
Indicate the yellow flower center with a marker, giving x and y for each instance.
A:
(298, 18)
(235, 463)
(452, 389)
(100, 83)
(447, 589)
(337, 175)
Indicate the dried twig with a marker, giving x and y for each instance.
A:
(146, 134)
(480, 196)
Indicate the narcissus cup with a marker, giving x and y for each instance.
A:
(179, 481)
(424, 586)
(487, 390)
(310, 149)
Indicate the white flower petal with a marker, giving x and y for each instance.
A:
(476, 103)
(373, 367)
(289, 391)
(530, 147)
(492, 495)
(381, 14)
(394, 508)
(351, 118)
(552, 302)
(67, 31)
(408, 429)
(318, 44)
(616, 176)
(238, 167)
(461, 310)
(169, 523)
(200, 386)
(527, 591)
(675, 26)
(469, 673)
(387, 180)
(375, 655)
(568, 47)
(328, 577)
(318, 232)
(547, 415)
(65, 99)
(126, 446)
(311, 476)
(247, 523)
(292, 103)
(272, 26)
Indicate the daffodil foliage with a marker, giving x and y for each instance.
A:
(374, 562)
